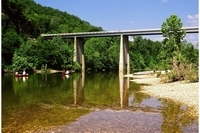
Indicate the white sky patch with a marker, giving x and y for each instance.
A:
(158, 39)
(193, 19)
(130, 38)
(155, 38)
(193, 38)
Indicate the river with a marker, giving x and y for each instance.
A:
(87, 102)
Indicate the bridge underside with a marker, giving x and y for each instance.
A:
(124, 62)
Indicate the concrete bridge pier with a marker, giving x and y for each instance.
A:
(124, 61)
(123, 88)
(79, 52)
(78, 84)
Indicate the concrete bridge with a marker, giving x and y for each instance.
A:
(124, 61)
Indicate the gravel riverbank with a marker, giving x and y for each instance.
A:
(185, 93)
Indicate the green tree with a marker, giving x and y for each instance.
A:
(102, 53)
(144, 53)
(56, 53)
(173, 34)
(189, 52)
(24, 57)
(26, 20)
(174, 45)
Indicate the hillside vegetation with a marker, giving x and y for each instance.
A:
(24, 49)
(22, 23)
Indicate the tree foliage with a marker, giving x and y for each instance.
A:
(182, 53)
(172, 31)
(24, 48)
(26, 20)
(102, 53)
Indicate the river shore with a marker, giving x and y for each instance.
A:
(185, 93)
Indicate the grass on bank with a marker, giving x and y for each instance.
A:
(184, 72)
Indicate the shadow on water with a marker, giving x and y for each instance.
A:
(43, 101)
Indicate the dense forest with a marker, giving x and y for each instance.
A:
(22, 24)
(24, 49)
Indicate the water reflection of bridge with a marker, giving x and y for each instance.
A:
(124, 88)
(124, 94)
(78, 85)
(79, 89)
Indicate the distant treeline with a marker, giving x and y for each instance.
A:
(23, 48)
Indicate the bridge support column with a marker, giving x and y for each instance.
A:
(78, 84)
(79, 52)
(123, 88)
(124, 54)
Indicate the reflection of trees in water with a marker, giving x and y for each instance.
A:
(9, 97)
(44, 88)
(138, 98)
(174, 117)
(134, 96)
(99, 89)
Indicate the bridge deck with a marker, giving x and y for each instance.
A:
(117, 33)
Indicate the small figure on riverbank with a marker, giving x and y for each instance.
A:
(67, 72)
(63, 72)
(24, 72)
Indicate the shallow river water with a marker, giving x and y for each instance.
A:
(88, 102)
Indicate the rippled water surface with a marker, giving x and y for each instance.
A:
(87, 102)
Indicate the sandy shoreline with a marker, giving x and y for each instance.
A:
(185, 93)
